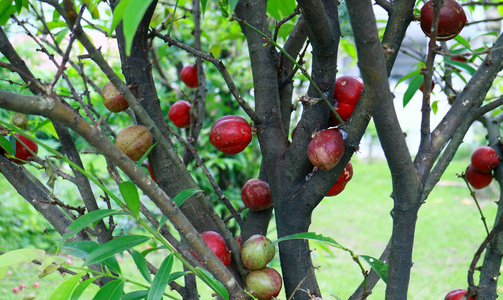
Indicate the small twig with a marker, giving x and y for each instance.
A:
(286, 19)
(472, 193)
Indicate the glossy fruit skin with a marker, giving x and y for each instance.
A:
(477, 179)
(341, 182)
(134, 141)
(348, 89)
(189, 76)
(22, 153)
(265, 283)
(326, 148)
(457, 294)
(112, 99)
(230, 134)
(485, 159)
(256, 253)
(451, 20)
(256, 194)
(217, 245)
(179, 114)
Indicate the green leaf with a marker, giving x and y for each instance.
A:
(308, 236)
(233, 4)
(118, 15)
(115, 246)
(176, 275)
(133, 14)
(144, 156)
(6, 9)
(163, 220)
(82, 287)
(414, 85)
(130, 194)
(83, 248)
(216, 285)
(434, 106)
(462, 41)
(184, 195)
(15, 257)
(161, 279)
(141, 264)
(5, 144)
(463, 65)
(65, 289)
(136, 295)
(111, 291)
(203, 5)
(379, 267)
(405, 77)
(89, 218)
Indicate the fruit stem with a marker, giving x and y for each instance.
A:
(472, 193)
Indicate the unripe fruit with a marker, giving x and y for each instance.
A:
(341, 182)
(477, 179)
(134, 141)
(217, 245)
(22, 154)
(264, 284)
(326, 148)
(485, 159)
(256, 252)
(21, 121)
(230, 134)
(189, 76)
(179, 114)
(348, 89)
(112, 99)
(451, 20)
(256, 194)
(457, 294)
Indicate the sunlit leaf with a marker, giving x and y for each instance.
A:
(161, 279)
(141, 264)
(309, 236)
(184, 195)
(414, 85)
(5, 144)
(136, 295)
(65, 289)
(82, 287)
(129, 193)
(15, 257)
(379, 267)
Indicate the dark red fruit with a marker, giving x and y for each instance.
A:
(432, 85)
(348, 89)
(341, 182)
(451, 20)
(217, 245)
(485, 159)
(344, 110)
(150, 171)
(22, 153)
(230, 134)
(256, 195)
(477, 179)
(189, 76)
(112, 99)
(256, 252)
(456, 295)
(134, 141)
(264, 284)
(326, 148)
(179, 114)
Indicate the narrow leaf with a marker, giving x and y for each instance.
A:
(111, 291)
(161, 279)
(184, 195)
(65, 289)
(82, 287)
(203, 5)
(89, 218)
(136, 295)
(144, 156)
(115, 246)
(134, 14)
(163, 220)
(83, 248)
(15, 257)
(405, 77)
(5, 144)
(309, 236)
(379, 267)
(119, 13)
(216, 285)
(129, 193)
(141, 264)
(414, 85)
(176, 275)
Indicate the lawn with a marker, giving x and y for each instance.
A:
(449, 231)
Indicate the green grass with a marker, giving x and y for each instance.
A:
(448, 232)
